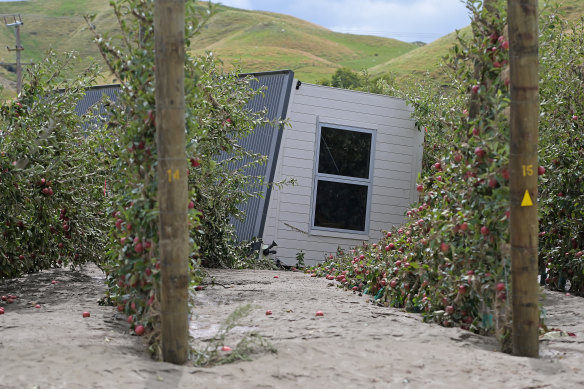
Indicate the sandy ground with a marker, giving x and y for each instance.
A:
(354, 345)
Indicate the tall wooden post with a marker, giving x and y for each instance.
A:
(524, 66)
(172, 177)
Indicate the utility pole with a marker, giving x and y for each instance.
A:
(524, 66)
(169, 22)
(16, 22)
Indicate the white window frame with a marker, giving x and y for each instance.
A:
(342, 179)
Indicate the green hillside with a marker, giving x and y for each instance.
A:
(251, 40)
(263, 41)
(428, 58)
(255, 41)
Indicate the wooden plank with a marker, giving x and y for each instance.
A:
(299, 117)
(302, 144)
(390, 156)
(296, 198)
(329, 93)
(385, 139)
(294, 217)
(378, 201)
(391, 192)
(381, 173)
(394, 166)
(355, 106)
(290, 171)
(298, 153)
(394, 183)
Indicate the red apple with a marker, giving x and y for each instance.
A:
(475, 89)
(388, 234)
(500, 287)
(319, 313)
(86, 314)
(540, 171)
(268, 312)
(449, 309)
(139, 330)
(420, 188)
(480, 152)
(464, 226)
(393, 283)
(444, 247)
(475, 131)
(457, 157)
(37, 306)
(484, 230)
(225, 348)
(437, 166)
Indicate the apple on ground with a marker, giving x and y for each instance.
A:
(86, 314)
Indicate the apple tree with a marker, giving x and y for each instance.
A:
(52, 202)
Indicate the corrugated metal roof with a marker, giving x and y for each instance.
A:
(94, 94)
(265, 139)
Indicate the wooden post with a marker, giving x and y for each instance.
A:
(524, 66)
(172, 178)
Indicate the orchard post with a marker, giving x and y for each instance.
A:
(172, 178)
(524, 67)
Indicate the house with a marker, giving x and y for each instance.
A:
(355, 157)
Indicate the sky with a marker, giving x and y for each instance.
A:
(406, 20)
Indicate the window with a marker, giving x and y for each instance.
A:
(342, 184)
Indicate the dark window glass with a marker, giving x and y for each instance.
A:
(344, 153)
(340, 205)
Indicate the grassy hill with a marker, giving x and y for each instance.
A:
(265, 41)
(427, 58)
(254, 41)
(251, 40)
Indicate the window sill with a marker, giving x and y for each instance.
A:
(340, 234)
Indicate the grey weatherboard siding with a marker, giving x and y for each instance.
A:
(265, 140)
